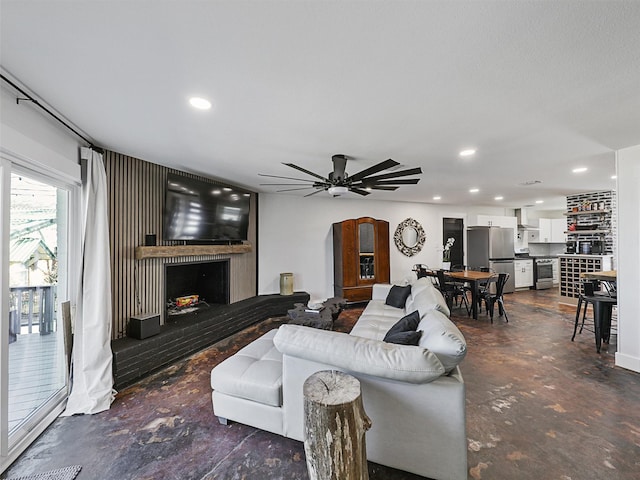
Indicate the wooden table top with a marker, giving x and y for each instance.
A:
(470, 275)
(607, 275)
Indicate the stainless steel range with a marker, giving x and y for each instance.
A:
(543, 273)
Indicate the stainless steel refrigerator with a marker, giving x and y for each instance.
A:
(492, 247)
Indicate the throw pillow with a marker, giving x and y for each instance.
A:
(404, 338)
(397, 296)
(408, 323)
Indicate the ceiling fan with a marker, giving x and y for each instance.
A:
(338, 182)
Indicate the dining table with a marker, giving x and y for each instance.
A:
(473, 277)
(603, 276)
(608, 277)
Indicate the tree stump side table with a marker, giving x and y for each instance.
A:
(335, 424)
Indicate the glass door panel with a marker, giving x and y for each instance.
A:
(366, 234)
(37, 373)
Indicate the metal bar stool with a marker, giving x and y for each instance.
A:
(602, 308)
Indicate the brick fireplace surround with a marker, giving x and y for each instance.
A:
(134, 359)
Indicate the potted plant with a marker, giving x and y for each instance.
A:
(446, 253)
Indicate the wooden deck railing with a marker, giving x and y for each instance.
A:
(32, 310)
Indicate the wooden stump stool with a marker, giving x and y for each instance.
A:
(334, 427)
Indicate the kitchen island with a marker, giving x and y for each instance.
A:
(572, 266)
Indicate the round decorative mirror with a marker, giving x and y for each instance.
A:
(409, 237)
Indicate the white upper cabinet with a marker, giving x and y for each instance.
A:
(551, 230)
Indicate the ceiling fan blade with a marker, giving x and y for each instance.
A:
(313, 193)
(305, 171)
(285, 184)
(359, 191)
(400, 173)
(383, 187)
(339, 165)
(375, 169)
(293, 189)
(285, 178)
(400, 181)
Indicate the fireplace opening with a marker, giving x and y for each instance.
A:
(197, 286)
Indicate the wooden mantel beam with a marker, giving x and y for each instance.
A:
(165, 251)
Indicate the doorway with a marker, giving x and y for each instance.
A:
(454, 228)
(34, 373)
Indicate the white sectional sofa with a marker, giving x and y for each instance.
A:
(414, 395)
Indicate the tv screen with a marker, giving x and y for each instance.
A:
(199, 211)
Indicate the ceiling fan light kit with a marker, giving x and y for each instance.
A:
(338, 182)
(337, 191)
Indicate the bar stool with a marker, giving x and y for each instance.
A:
(602, 308)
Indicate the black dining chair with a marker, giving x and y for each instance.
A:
(452, 291)
(492, 293)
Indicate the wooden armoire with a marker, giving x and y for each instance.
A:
(360, 257)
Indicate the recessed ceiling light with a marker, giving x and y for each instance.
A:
(613, 177)
(200, 103)
(468, 152)
(474, 190)
(579, 170)
(499, 197)
(437, 197)
(539, 201)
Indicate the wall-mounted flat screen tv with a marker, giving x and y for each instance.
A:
(198, 211)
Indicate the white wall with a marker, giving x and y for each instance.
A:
(295, 236)
(628, 171)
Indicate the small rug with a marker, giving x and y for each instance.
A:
(66, 473)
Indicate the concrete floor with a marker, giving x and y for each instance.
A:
(538, 407)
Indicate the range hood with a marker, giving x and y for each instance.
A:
(523, 220)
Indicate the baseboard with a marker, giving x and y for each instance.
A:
(628, 362)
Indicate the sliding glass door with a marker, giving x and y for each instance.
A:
(35, 282)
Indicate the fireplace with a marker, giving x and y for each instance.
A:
(193, 287)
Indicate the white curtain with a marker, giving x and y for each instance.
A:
(92, 378)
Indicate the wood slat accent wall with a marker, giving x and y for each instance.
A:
(136, 200)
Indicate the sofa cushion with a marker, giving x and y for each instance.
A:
(411, 364)
(253, 373)
(373, 326)
(408, 323)
(397, 296)
(442, 337)
(408, 337)
(426, 297)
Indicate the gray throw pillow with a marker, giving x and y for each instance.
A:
(404, 338)
(398, 295)
(408, 323)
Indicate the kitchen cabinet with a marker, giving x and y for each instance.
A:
(523, 273)
(556, 271)
(360, 257)
(551, 231)
(495, 221)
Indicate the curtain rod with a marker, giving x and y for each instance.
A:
(37, 103)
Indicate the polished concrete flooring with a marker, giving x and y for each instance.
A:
(538, 407)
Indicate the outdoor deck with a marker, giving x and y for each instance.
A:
(36, 372)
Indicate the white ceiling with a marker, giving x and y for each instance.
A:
(538, 88)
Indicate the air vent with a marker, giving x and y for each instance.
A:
(530, 182)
